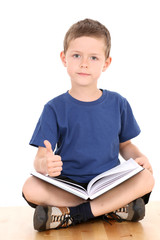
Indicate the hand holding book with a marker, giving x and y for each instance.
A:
(144, 162)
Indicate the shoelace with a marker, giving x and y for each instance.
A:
(63, 219)
(123, 209)
(112, 216)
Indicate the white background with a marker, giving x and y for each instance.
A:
(31, 74)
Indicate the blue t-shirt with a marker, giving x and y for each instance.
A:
(86, 134)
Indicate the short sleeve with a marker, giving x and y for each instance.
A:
(46, 128)
(129, 125)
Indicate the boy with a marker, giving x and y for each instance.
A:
(90, 127)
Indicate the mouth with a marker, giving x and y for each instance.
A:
(83, 74)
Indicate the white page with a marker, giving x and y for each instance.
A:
(125, 166)
(114, 184)
(106, 181)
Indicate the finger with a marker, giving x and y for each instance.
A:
(55, 174)
(54, 164)
(149, 168)
(54, 170)
(57, 158)
(139, 161)
(48, 146)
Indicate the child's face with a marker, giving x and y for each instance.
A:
(85, 60)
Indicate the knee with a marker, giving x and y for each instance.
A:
(149, 181)
(152, 180)
(27, 189)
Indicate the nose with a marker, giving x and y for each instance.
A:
(84, 63)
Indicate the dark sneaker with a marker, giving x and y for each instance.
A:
(134, 211)
(46, 218)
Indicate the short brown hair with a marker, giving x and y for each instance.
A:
(91, 28)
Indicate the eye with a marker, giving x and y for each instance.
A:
(76, 56)
(94, 58)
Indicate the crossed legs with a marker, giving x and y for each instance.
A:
(42, 193)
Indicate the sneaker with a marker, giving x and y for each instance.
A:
(134, 211)
(46, 218)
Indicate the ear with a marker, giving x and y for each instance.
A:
(106, 64)
(63, 58)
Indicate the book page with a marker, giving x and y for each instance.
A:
(98, 191)
(106, 181)
(123, 168)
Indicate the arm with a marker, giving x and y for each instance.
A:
(129, 150)
(40, 161)
(46, 162)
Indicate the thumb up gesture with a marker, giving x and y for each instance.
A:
(53, 162)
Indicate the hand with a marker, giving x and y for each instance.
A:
(144, 162)
(53, 162)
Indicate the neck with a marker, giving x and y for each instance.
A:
(85, 94)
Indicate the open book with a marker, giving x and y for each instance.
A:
(98, 185)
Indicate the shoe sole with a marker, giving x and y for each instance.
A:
(40, 219)
(139, 210)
